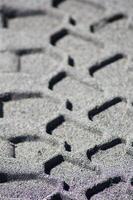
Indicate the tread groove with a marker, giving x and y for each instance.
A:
(52, 125)
(1, 109)
(69, 105)
(58, 36)
(57, 78)
(71, 61)
(102, 186)
(52, 163)
(6, 97)
(104, 22)
(98, 109)
(66, 187)
(56, 3)
(105, 63)
(9, 13)
(67, 147)
(103, 147)
(72, 21)
(23, 138)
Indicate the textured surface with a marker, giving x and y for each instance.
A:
(66, 99)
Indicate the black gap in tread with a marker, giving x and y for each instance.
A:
(56, 3)
(6, 97)
(23, 138)
(71, 61)
(69, 105)
(54, 124)
(57, 78)
(9, 13)
(131, 181)
(3, 177)
(66, 186)
(23, 52)
(57, 36)
(98, 109)
(102, 186)
(72, 21)
(105, 63)
(1, 109)
(105, 21)
(67, 146)
(52, 163)
(103, 147)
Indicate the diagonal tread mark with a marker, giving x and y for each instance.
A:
(100, 187)
(98, 109)
(105, 63)
(103, 147)
(52, 163)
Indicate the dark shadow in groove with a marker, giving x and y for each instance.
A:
(58, 36)
(131, 181)
(72, 21)
(103, 147)
(71, 61)
(7, 177)
(14, 96)
(4, 21)
(1, 109)
(3, 177)
(6, 97)
(66, 186)
(56, 197)
(23, 138)
(67, 146)
(56, 3)
(116, 17)
(103, 22)
(102, 186)
(69, 105)
(52, 163)
(91, 152)
(54, 124)
(103, 107)
(111, 144)
(23, 52)
(13, 13)
(9, 13)
(105, 63)
(57, 78)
